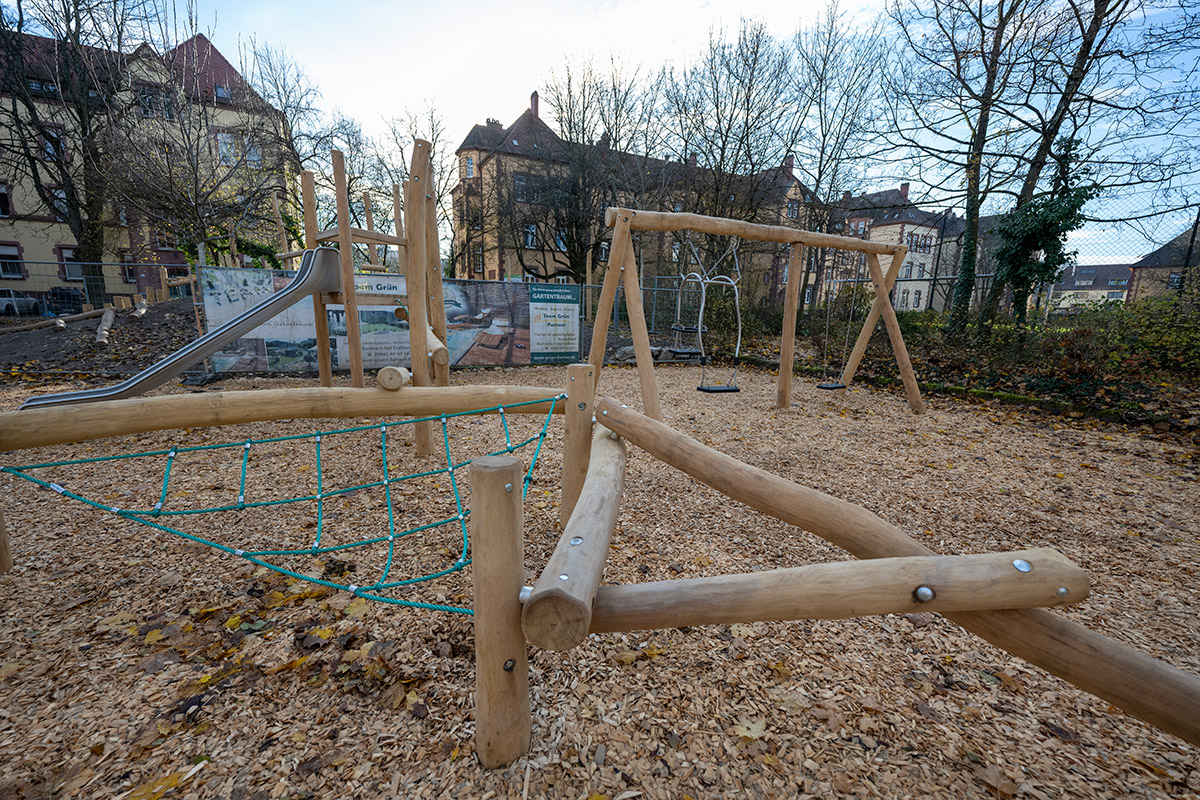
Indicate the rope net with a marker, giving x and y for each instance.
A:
(346, 505)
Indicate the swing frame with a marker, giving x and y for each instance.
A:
(622, 270)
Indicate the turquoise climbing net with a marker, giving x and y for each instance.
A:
(162, 512)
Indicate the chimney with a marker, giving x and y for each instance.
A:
(846, 196)
(604, 141)
(533, 103)
(904, 190)
(789, 163)
(494, 124)
(691, 162)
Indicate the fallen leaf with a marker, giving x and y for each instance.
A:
(750, 730)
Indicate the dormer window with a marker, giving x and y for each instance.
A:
(515, 143)
(221, 92)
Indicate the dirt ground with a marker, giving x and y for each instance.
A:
(136, 664)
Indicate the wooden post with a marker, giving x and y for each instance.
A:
(164, 279)
(372, 256)
(393, 378)
(346, 248)
(6, 561)
(587, 293)
(787, 342)
(558, 612)
(893, 328)
(282, 231)
(433, 283)
(418, 318)
(641, 336)
(868, 328)
(622, 242)
(502, 713)
(308, 191)
(577, 436)
(233, 251)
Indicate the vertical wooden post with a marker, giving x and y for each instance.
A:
(372, 256)
(283, 237)
(6, 561)
(233, 251)
(308, 191)
(893, 328)
(787, 342)
(587, 293)
(163, 278)
(433, 281)
(346, 248)
(622, 242)
(641, 336)
(402, 250)
(502, 713)
(577, 437)
(868, 328)
(418, 318)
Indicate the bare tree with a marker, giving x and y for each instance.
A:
(64, 86)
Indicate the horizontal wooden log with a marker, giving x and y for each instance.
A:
(186, 281)
(364, 236)
(559, 610)
(290, 254)
(437, 350)
(846, 589)
(105, 326)
(722, 226)
(46, 323)
(366, 299)
(393, 378)
(37, 427)
(1163, 695)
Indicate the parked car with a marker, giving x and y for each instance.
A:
(16, 303)
(63, 300)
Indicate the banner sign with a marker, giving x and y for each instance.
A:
(487, 323)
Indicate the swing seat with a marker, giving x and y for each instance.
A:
(717, 389)
(831, 386)
(686, 329)
(684, 353)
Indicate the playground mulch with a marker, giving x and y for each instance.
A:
(134, 664)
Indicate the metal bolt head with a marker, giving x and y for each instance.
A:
(605, 412)
(508, 665)
(564, 577)
(1062, 591)
(582, 406)
(923, 594)
(1021, 565)
(576, 540)
(508, 487)
(526, 592)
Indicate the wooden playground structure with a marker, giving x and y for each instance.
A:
(623, 272)
(1001, 597)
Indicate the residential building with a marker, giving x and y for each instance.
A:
(1082, 284)
(135, 124)
(1168, 268)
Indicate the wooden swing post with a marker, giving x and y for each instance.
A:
(502, 714)
(433, 281)
(893, 328)
(787, 345)
(308, 194)
(418, 316)
(868, 328)
(621, 243)
(640, 335)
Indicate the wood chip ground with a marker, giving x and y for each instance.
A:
(134, 664)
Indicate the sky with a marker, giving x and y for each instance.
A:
(474, 59)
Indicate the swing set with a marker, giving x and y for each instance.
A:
(705, 279)
(623, 271)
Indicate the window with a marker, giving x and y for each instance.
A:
(908, 270)
(254, 156)
(1119, 282)
(862, 226)
(52, 144)
(1175, 280)
(514, 141)
(10, 262)
(58, 203)
(226, 148)
(164, 240)
(560, 241)
(603, 255)
(793, 209)
(222, 93)
(562, 279)
(807, 294)
(1087, 270)
(519, 188)
(917, 299)
(470, 167)
(1116, 295)
(72, 270)
(1087, 282)
(5, 202)
(674, 251)
(920, 270)
(904, 299)
(530, 237)
(478, 258)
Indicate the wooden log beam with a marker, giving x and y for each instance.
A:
(308, 195)
(37, 427)
(621, 244)
(846, 589)
(897, 338)
(787, 344)
(346, 254)
(577, 436)
(722, 226)
(6, 560)
(641, 337)
(187, 280)
(850, 368)
(393, 378)
(1147, 688)
(48, 322)
(433, 285)
(415, 284)
(105, 326)
(558, 612)
(503, 719)
(362, 236)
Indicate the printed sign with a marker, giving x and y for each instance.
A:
(487, 323)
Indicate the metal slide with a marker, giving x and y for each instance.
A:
(320, 271)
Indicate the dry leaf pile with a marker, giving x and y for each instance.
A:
(135, 664)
